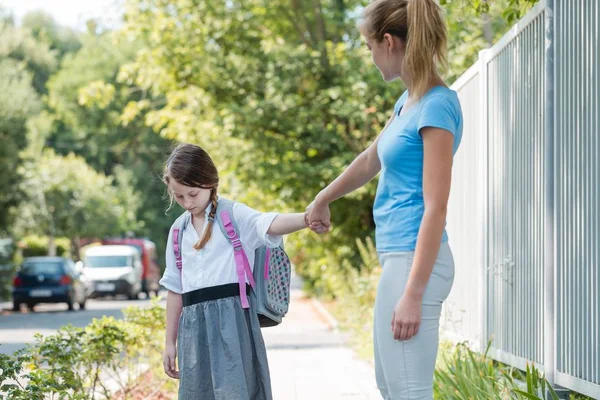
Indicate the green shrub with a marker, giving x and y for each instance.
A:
(71, 364)
(464, 375)
(35, 246)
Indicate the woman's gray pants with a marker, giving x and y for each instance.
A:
(404, 369)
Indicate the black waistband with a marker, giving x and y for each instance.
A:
(212, 293)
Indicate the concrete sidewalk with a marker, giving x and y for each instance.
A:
(309, 361)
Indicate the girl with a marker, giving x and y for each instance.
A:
(222, 354)
(414, 152)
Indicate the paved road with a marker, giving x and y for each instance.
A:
(17, 329)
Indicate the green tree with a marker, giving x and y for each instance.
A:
(44, 28)
(511, 10)
(68, 198)
(101, 119)
(18, 102)
(283, 95)
(20, 45)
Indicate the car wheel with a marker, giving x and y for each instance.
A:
(70, 305)
(133, 296)
(30, 306)
(82, 305)
(16, 306)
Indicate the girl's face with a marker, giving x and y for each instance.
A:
(193, 199)
(387, 55)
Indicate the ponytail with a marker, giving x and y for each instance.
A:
(426, 45)
(211, 221)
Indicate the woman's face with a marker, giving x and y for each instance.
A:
(388, 56)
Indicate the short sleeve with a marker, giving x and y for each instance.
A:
(254, 225)
(172, 276)
(439, 112)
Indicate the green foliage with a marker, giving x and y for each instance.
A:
(34, 55)
(18, 102)
(88, 106)
(284, 97)
(74, 363)
(45, 29)
(465, 374)
(281, 104)
(66, 197)
(33, 246)
(512, 10)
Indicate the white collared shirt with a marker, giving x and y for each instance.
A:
(215, 264)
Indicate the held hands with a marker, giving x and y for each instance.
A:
(318, 217)
(407, 317)
(169, 363)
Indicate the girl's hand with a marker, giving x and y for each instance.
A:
(407, 317)
(318, 217)
(169, 361)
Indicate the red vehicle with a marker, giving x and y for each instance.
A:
(151, 271)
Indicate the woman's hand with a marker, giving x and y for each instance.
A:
(318, 217)
(407, 317)
(169, 361)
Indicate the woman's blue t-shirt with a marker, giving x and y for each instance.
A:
(399, 205)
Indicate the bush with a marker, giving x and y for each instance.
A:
(74, 363)
(465, 374)
(35, 246)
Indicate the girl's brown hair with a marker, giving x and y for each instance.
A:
(421, 25)
(191, 166)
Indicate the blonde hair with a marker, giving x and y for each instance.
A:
(190, 165)
(421, 25)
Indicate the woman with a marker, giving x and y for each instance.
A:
(414, 152)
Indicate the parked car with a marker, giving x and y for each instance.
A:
(150, 268)
(48, 280)
(114, 270)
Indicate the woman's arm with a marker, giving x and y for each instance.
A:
(437, 173)
(364, 168)
(284, 224)
(174, 306)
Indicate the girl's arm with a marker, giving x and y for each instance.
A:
(284, 224)
(174, 306)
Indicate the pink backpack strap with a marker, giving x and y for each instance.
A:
(241, 261)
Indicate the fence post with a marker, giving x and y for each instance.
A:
(482, 201)
(549, 245)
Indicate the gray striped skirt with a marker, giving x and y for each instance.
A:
(221, 351)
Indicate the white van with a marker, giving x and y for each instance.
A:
(113, 270)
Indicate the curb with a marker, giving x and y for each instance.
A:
(329, 319)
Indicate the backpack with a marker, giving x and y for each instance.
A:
(272, 267)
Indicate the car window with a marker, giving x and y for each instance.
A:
(108, 261)
(42, 268)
